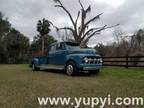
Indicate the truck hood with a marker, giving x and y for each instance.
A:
(82, 51)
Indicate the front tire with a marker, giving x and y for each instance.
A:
(71, 69)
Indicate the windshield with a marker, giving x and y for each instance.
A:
(72, 45)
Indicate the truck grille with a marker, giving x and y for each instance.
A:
(92, 60)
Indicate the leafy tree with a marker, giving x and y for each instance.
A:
(3, 54)
(37, 43)
(43, 29)
(5, 27)
(82, 32)
(17, 46)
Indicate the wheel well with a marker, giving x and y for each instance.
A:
(70, 60)
(35, 61)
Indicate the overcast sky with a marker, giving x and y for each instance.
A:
(24, 14)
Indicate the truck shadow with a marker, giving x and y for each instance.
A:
(62, 72)
(53, 71)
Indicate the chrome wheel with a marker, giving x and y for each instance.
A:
(33, 67)
(70, 69)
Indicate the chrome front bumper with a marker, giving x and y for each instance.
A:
(90, 68)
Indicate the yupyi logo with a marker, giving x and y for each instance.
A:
(92, 102)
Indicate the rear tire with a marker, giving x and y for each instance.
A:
(34, 68)
(71, 69)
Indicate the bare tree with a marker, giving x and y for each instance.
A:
(139, 38)
(118, 36)
(82, 32)
(123, 44)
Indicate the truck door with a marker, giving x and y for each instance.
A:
(51, 55)
(60, 54)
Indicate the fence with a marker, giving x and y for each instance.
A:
(124, 61)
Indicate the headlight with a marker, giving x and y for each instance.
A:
(100, 60)
(86, 60)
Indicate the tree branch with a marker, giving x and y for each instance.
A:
(77, 17)
(94, 18)
(92, 29)
(68, 28)
(85, 25)
(53, 25)
(98, 30)
(70, 16)
(61, 6)
(81, 5)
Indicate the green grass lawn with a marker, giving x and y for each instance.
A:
(20, 87)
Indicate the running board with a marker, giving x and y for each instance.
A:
(58, 67)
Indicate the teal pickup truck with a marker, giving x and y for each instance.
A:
(70, 57)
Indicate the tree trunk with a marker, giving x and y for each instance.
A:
(42, 45)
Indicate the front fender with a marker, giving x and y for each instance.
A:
(76, 58)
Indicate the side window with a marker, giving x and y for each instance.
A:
(53, 48)
(60, 46)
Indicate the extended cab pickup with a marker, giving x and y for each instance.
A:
(68, 56)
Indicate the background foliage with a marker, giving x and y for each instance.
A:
(15, 47)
